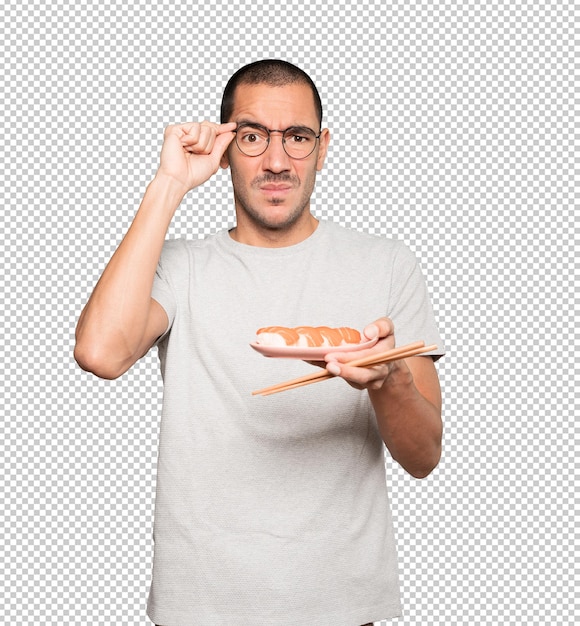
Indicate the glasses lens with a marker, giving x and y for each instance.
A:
(251, 140)
(299, 142)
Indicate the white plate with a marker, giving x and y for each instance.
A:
(310, 354)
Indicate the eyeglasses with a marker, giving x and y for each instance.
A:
(298, 141)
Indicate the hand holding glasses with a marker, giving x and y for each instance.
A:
(253, 140)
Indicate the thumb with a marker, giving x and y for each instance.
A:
(223, 140)
(221, 144)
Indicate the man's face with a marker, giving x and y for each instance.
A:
(272, 191)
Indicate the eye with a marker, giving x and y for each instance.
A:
(250, 135)
(298, 136)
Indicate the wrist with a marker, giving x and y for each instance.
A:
(169, 186)
(161, 199)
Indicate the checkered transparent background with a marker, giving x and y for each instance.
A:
(452, 130)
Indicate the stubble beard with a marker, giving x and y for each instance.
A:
(260, 218)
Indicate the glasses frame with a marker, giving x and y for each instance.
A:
(283, 132)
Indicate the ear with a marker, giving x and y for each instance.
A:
(225, 159)
(322, 148)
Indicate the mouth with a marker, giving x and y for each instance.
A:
(275, 194)
(273, 188)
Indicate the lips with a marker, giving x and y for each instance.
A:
(271, 188)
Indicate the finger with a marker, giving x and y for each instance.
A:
(334, 368)
(189, 134)
(195, 127)
(206, 139)
(359, 377)
(228, 127)
(199, 140)
(223, 140)
(182, 130)
(382, 327)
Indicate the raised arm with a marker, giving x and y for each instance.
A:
(121, 321)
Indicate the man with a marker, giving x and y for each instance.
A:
(269, 510)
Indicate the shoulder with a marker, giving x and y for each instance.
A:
(350, 239)
(174, 248)
(176, 251)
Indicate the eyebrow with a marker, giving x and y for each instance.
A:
(243, 122)
(249, 123)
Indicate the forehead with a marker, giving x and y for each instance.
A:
(275, 107)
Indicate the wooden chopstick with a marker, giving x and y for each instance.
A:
(384, 357)
(403, 352)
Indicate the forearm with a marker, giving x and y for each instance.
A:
(113, 321)
(409, 424)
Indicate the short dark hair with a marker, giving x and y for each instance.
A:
(273, 72)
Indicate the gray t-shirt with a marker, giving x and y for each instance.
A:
(274, 510)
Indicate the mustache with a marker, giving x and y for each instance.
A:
(269, 177)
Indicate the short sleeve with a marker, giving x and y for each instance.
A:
(411, 309)
(162, 290)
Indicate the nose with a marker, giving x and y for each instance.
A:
(275, 158)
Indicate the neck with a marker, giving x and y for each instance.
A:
(263, 237)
